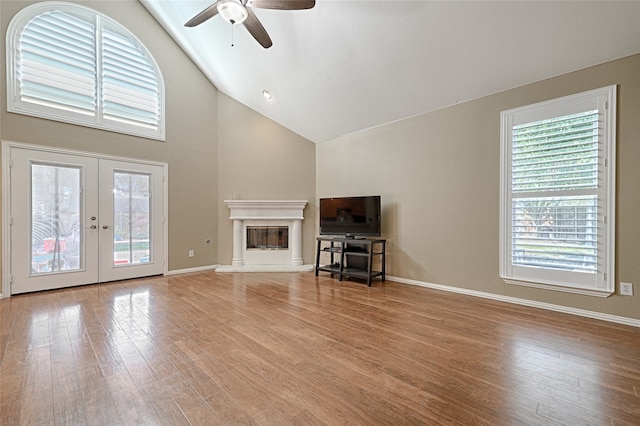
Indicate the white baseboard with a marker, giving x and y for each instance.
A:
(190, 270)
(531, 303)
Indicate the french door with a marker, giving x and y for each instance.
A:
(79, 219)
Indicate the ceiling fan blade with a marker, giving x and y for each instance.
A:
(282, 4)
(208, 13)
(256, 29)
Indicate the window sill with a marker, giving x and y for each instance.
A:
(604, 293)
(69, 118)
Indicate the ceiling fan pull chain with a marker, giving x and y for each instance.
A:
(232, 35)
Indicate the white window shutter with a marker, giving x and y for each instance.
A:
(130, 91)
(557, 201)
(57, 63)
(72, 64)
(554, 193)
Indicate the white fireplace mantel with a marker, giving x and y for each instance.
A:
(287, 213)
(266, 209)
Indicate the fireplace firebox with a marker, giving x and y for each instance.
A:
(267, 237)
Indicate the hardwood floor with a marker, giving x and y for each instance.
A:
(287, 349)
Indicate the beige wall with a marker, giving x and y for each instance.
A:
(191, 133)
(261, 160)
(438, 174)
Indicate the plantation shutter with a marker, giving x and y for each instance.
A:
(555, 165)
(557, 194)
(130, 91)
(71, 64)
(56, 63)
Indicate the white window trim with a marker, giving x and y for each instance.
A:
(15, 105)
(605, 286)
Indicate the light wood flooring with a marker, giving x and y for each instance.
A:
(295, 349)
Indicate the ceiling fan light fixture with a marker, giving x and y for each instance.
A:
(232, 11)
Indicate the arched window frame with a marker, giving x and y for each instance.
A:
(103, 116)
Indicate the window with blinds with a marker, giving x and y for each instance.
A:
(557, 193)
(130, 85)
(56, 63)
(72, 64)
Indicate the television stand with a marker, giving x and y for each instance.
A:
(355, 257)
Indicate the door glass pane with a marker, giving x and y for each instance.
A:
(131, 218)
(55, 219)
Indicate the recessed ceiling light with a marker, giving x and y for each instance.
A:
(266, 94)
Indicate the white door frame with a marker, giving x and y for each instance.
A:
(6, 200)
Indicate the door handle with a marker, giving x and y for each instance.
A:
(105, 226)
(93, 227)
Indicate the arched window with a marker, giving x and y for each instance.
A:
(70, 63)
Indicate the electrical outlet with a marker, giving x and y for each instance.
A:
(626, 289)
(192, 253)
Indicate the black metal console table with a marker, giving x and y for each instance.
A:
(352, 257)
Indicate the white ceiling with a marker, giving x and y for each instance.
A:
(344, 66)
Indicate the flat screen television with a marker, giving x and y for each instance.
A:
(351, 216)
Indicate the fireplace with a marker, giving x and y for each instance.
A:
(267, 236)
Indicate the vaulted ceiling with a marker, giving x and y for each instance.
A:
(345, 66)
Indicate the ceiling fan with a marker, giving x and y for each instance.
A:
(239, 12)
